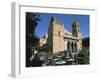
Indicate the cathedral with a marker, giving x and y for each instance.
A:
(59, 39)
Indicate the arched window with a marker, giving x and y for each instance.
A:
(78, 30)
(59, 33)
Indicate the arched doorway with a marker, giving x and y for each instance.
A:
(75, 47)
(72, 45)
(68, 47)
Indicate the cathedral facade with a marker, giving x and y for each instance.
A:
(60, 39)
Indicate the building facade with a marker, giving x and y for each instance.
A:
(59, 39)
(43, 40)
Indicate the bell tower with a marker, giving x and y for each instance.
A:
(75, 29)
(76, 33)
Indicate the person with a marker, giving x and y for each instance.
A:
(35, 59)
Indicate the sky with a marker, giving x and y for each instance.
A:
(67, 19)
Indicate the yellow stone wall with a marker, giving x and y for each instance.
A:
(58, 38)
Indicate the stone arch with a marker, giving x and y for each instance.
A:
(68, 47)
(72, 46)
(75, 47)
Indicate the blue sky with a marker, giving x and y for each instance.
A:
(67, 19)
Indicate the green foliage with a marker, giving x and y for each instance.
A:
(83, 56)
(32, 40)
(48, 55)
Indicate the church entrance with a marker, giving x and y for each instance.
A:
(68, 47)
(71, 47)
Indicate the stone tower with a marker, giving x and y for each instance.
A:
(75, 29)
(55, 36)
(76, 33)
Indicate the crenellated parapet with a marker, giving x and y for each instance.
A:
(55, 21)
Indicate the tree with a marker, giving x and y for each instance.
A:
(83, 56)
(32, 20)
